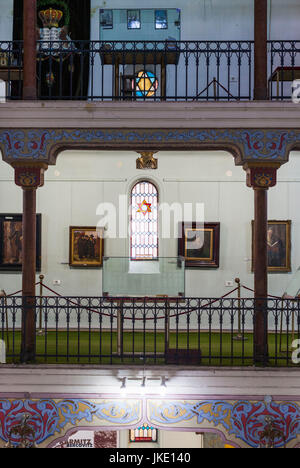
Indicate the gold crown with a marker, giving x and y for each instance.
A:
(50, 18)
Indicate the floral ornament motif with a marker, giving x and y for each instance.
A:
(263, 180)
(44, 417)
(261, 177)
(245, 420)
(249, 420)
(249, 145)
(47, 417)
(29, 177)
(271, 145)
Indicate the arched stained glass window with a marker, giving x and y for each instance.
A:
(144, 221)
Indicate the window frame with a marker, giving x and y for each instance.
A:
(145, 259)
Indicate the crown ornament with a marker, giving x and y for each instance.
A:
(51, 17)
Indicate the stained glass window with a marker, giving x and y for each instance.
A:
(146, 84)
(144, 221)
(144, 433)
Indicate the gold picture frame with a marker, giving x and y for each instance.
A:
(86, 246)
(199, 245)
(279, 246)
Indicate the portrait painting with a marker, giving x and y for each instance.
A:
(278, 246)
(11, 241)
(199, 244)
(86, 246)
(133, 19)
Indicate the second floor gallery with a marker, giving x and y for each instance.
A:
(196, 50)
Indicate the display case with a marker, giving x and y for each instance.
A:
(162, 277)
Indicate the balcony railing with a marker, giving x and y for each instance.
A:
(178, 331)
(150, 71)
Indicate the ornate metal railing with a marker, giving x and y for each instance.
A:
(198, 331)
(150, 71)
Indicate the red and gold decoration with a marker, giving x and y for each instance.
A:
(50, 17)
(262, 177)
(29, 177)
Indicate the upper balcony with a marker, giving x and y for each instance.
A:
(169, 70)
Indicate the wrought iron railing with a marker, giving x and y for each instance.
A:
(175, 70)
(179, 331)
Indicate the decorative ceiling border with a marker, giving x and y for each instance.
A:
(240, 421)
(246, 145)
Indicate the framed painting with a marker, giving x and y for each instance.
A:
(199, 244)
(279, 246)
(133, 19)
(161, 19)
(106, 19)
(11, 242)
(86, 247)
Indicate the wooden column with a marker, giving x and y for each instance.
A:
(29, 37)
(260, 50)
(29, 177)
(260, 178)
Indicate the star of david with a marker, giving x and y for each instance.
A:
(146, 83)
(144, 207)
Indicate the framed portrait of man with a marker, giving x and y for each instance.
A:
(199, 244)
(278, 245)
(86, 246)
(11, 242)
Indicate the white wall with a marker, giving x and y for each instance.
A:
(216, 19)
(81, 180)
(201, 19)
(6, 20)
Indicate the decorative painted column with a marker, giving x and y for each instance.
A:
(260, 178)
(260, 50)
(29, 37)
(29, 177)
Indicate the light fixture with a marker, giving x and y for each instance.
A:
(142, 385)
(163, 385)
(123, 389)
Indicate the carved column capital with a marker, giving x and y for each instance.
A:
(260, 175)
(29, 176)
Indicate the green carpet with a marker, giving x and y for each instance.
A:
(149, 348)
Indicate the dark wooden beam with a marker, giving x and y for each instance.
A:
(260, 50)
(29, 37)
